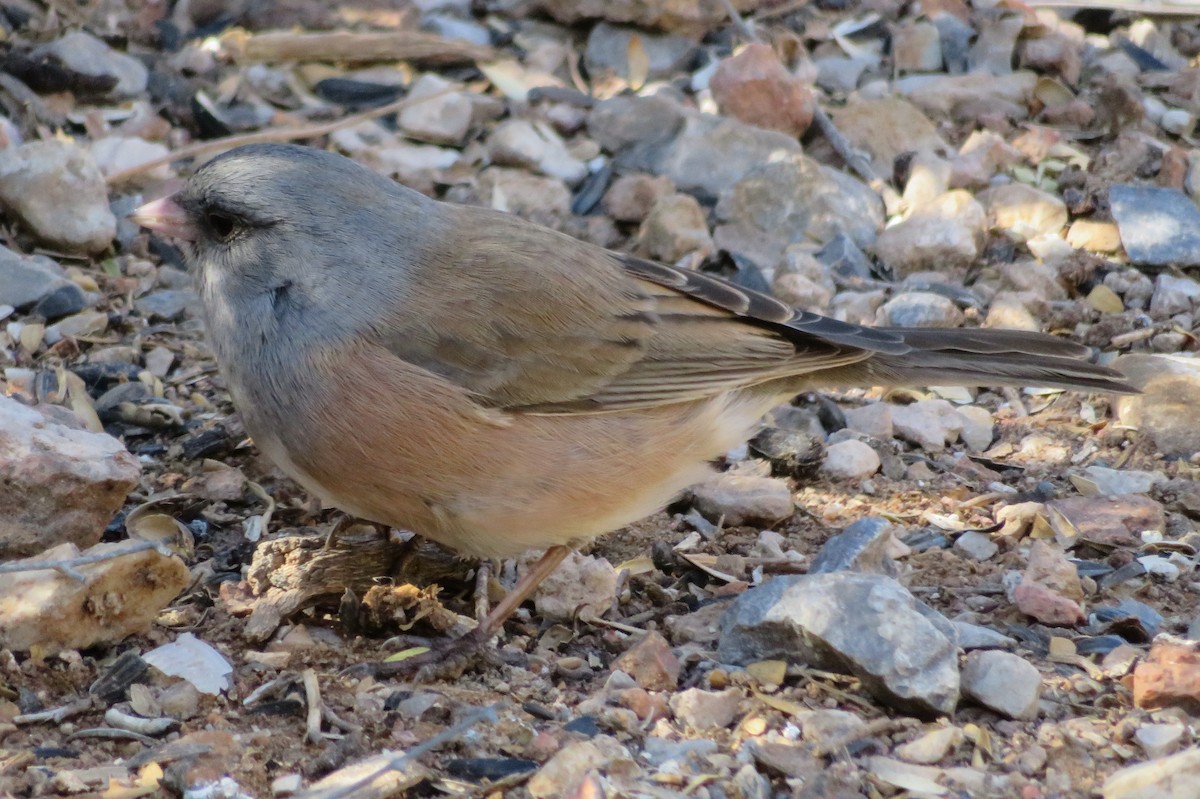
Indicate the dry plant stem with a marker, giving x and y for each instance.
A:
(882, 726)
(521, 591)
(274, 135)
(743, 28)
(57, 714)
(1184, 8)
(312, 696)
(349, 47)
(68, 566)
(361, 787)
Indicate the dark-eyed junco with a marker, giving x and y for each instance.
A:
(498, 386)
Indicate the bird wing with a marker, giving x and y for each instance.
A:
(540, 322)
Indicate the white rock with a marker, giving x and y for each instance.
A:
(850, 459)
(535, 145)
(56, 189)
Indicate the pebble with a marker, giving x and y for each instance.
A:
(1159, 740)
(874, 420)
(865, 624)
(57, 191)
(1047, 606)
(85, 54)
(1162, 410)
(850, 460)
(1093, 236)
(608, 51)
(789, 200)
(754, 87)
(945, 234)
(676, 226)
(1024, 212)
(976, 546)
(930, 424)
(743, 499)
(440, 120)
(916, 47)
(631, 196)
(1109, 521)
(566, 771)
(541, 199)
(920, 309)
(699, 710)
(62, 483)
(1159, 226)
(535, 145)
(581, 582)
(62, 301)
(931, 747)
(651, 663)
(168, 305)
(1174, 777)
(886, 128)
(1003, 682)
(118, 153)
(1173, 295)
(864, 546)
(978, 427)
(27, 279)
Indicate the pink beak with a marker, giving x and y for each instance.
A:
(165, 216)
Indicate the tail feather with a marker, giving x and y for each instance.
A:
(989, 356)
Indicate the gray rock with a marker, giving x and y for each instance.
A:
(63, 301)
(1003, 682)
(1159, 226)
(974, 636)
(790, 200)
(743, 499)
(862, 624)
(444, 119)
(675, 226)
(850, 460)
(62, 483)
(608, 51)
(920, 309)
(1164, 409)
(976, 545)
(978, 427)
(57, 191)
(692, 17)
(862, 547)
(930, 424)
(874, 420)
(168, 304)
(1174, 777)
(945, 234)
(701, 710)
(544, 200)
(1173, 295)
(702, 153)
(1111, 482)
(26, 280)
(535, 145)
(85, 54)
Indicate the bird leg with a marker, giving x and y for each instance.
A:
(452, 658)
(483, 578)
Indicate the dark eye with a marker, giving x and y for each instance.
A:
(222, 225)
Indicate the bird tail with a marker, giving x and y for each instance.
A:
(991, 356)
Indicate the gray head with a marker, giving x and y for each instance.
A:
(280, 229)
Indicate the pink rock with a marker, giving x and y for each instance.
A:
(757, 89)
(1048, 607)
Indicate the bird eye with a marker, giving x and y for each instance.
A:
(221, 224)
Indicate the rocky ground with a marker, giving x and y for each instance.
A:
(924, 592)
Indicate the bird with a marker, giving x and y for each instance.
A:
(498, 386)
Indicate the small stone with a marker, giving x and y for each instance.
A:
(1087, 234)
(118, 153)
(1173, 295)
(158, 361)
(931, 747)
(27, 280)
(966, 97)
(864, 624)
(886, 128)
(117, 597)
(687, 17)
(1174, 777)
(874, 420)
(1112, 482)
(675, 227)
(1159, 740)
(1162, 411)
(917, 47)
(1023, 211)
(976, 546)
(84, 54)
(1110, 521)
(515, 191)
(563, 773)
(1159, 226)
(850, 460)
(920, 309)
(974, 636)
(608, 51)
(1168, 677)
(651, 663)
(62, 483)
(945, 234)
(63, 301)
(57, 191)
(864, 546)
(978, 427)
(286, 784)
(930, 424)
(444, 119)
(1047, 606)
(581, 582)
(701, 710)
(743, 499)
(630, 197)
(535, 145)
(756, 88)
(1003, 682)
(168, 305)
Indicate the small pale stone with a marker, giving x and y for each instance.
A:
(1003, 682)
(743, 499)
(700, 710)
(850, 460)
(932, 746)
